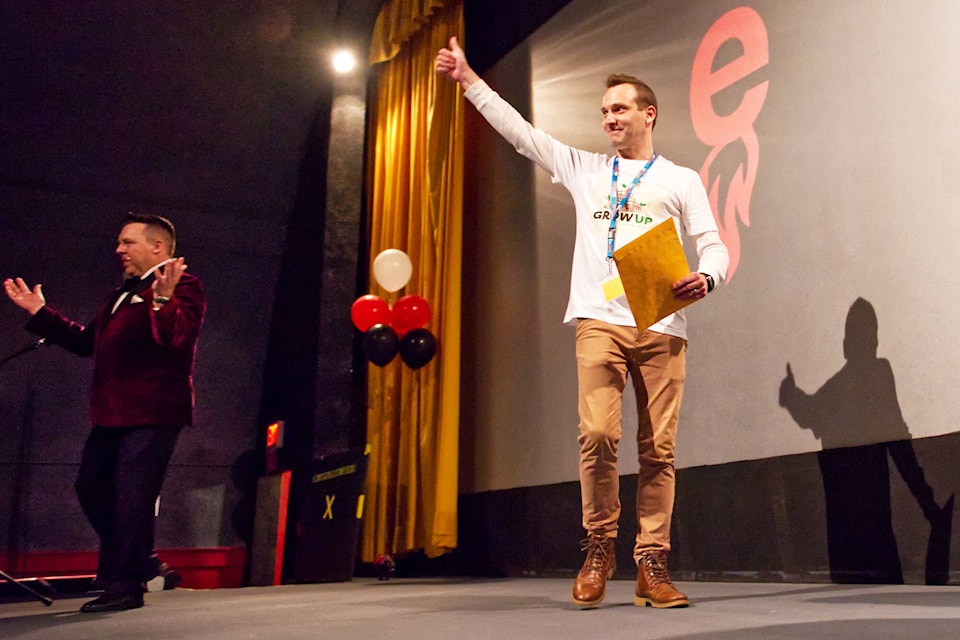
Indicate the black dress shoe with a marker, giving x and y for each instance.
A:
(113, 602)
(171, 579)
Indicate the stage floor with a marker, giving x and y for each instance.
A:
(531, 609)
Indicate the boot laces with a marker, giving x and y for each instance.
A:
(656, 566)
(598, 550)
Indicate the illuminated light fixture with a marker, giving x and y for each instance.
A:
(344, 61)
(275, 434)
(274, 442)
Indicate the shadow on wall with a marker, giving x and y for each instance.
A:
(860, 401)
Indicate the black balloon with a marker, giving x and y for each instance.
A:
(380, 344)
(417, 347)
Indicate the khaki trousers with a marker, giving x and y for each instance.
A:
(656, 364)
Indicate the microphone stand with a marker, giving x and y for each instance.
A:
(33, 346)
(36, 594)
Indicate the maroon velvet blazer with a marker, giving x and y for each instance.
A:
(143, 359)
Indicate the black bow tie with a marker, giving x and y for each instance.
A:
(136, 284)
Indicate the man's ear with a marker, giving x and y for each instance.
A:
(651, 113)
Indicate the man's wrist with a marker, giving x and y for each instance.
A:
(711, 285)
(469, 78)
(159, 301)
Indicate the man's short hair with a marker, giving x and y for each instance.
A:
(156, 224)
(645, 95)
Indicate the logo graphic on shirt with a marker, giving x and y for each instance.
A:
(632, 213)
(730, 169)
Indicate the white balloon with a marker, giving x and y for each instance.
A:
(392, 269)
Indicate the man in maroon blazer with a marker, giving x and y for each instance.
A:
(142, 341)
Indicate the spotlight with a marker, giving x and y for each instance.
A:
(344, 61)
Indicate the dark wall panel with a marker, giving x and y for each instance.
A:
(206, 112)
(756, 520)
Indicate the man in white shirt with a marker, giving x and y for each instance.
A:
(632, 191)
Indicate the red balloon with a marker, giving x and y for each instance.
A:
(408, 313)
(369, 310)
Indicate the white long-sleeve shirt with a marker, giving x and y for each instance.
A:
(667, 191)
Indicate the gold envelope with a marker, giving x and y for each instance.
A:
(648, 266)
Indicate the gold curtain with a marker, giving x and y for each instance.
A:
(415, 174)
(397, 21)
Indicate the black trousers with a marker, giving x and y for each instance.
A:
(121, 474)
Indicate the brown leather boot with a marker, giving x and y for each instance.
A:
(654, 588)
(591, 585)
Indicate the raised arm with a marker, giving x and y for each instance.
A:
(178, 305)
(530, 142)
(46, 322)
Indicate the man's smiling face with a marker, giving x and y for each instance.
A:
(137, 252)
(624, 121)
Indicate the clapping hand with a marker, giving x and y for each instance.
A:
(165, 278)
